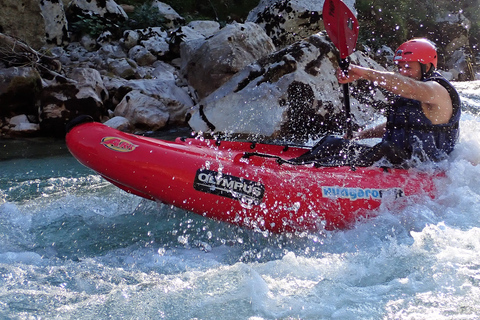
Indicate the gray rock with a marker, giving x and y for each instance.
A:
(172, 17)
(288, 21)
(174, 100)
(120, 123)
(141, 55)
(142, 111)
(24, 20)
(56, 28)
(123, 68)
(224, 54)
(292, 93)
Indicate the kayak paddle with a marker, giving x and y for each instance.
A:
(342, 28)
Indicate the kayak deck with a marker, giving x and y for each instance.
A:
(241, 182)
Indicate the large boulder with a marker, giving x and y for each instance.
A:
(34, 22)
(142, 111)
(161, 95)
(453, 42)
(56, 27)
(154, 40)
(288, 21)
(22, 126)
(63, 99)
(23, 20)
(190, 37)
(86, 16)
(172, 18)
(224, 54)
(19, 90)
(107, 9)
(292, 93)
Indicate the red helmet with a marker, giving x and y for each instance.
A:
(421, 50)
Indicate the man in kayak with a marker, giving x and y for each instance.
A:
(422, 124)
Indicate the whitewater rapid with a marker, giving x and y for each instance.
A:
(72, 246)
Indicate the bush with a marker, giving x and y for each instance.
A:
(143, 16)
(219, 10)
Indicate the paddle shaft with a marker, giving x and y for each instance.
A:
(348, 117)
(346, 100)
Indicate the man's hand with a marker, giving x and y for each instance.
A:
(353, 73)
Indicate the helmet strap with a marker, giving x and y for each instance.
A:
(425, 73)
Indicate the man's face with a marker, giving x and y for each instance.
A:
(410, 69)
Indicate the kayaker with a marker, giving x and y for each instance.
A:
(422, 124)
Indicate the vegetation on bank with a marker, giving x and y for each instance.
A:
(219, 10)
(392, 22)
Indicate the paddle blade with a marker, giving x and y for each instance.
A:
(341, 26)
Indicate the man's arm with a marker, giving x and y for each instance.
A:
(436, 101)
(375, 132)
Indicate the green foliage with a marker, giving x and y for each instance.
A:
(91, 25)
(220, 10)
(392, 22)
(143, 16)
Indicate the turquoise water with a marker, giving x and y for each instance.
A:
(72, 246)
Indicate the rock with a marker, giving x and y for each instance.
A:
(170, 98)
(19, 90)
(21, 125)
(88, 43)
(142, 111)
(288, 21)
(224, 54)
(56, 28)
(24, 20)
(204, 27)
(172, 17)
(141, 56)
(111, 51)
(453, 44)
(159, 70)
(157, 45)
(64, 99)
(130, 39)
(89, 84)
(123, 68)
(292, 93)
(119, 123)
(459, 66)
(190, 37)
(108, 9)
(128, 8)
(153, 40)
(105, 38)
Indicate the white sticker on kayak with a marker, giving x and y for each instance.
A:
(361, 193)
(228, 186)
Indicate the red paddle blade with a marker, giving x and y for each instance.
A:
(341, 26)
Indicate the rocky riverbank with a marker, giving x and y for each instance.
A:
(272, 75)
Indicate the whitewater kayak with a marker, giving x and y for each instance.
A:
(241, 182)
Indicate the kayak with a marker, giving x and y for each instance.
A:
(244, 183)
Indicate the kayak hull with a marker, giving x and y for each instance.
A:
(240, 182)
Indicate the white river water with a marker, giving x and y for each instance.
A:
(72, 246)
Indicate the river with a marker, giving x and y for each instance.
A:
(72, 246)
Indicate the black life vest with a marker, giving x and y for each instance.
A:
(409, 128)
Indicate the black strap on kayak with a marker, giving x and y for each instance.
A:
(281, 160)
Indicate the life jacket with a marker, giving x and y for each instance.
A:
(409, 128)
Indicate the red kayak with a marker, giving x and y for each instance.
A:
(240, 182)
